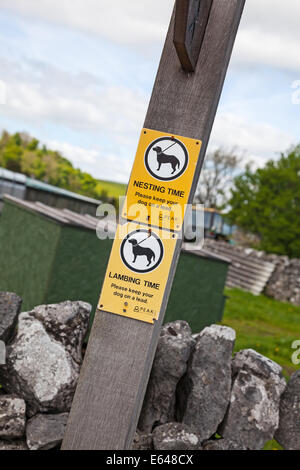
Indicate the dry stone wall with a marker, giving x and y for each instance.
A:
(199, 396)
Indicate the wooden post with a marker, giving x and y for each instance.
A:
(120, 352)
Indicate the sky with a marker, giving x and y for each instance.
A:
(78, 75)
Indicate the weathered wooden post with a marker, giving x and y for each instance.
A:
(184, 101)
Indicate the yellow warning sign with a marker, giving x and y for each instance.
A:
(161, 179)
(137, 272)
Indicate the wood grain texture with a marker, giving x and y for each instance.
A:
(120, 352)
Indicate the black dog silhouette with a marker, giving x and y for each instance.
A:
(141, 251)
(164, 158)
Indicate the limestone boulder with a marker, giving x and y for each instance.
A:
(175, 436)
(12, 417)
(253, 413)
(204, 392)
(288, 432)
(44, 432)
(170, 364)
(43, 361)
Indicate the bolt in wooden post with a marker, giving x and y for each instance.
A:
(120, 352)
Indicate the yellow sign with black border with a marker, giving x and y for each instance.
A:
(137, 272)
(161, 179)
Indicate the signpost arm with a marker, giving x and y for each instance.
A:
(120, 352)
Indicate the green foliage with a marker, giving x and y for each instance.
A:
(112, 189)
(33, 145)
(21, 153)
(216, 176)
(264, 324)
(272, 445)
(267, 202)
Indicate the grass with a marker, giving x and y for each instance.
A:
(272, 445)
(112, 188)
(264, 324)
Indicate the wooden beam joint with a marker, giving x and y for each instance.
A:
(191, 18)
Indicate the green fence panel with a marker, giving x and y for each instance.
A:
(45, 261)
(27, 251)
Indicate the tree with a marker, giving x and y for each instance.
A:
(216, 177)
(33, 145)
(267, 202)
(22, 153)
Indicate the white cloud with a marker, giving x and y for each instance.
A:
(257, 142)
(262, 48)
(77, 155)
(273, 15)
(3, 92)
(103, 166)
(118, 112)
(110, 115)
(130, 22)
(269, 33)
(35, 91)
(79, 106)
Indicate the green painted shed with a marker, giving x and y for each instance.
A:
(50, 255)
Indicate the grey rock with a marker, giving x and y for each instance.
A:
(170, 363)
(204, 392)
(175, 436)
(2, 353)
(142, 442)
(12, 417)
(67, 323)
(288, 432)
(283, 284)
(253, 414)
(223, 444)
(44, 432)
(43, 361)
(10, 307)
(13, 445)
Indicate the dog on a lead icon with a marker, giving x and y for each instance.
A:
(142, 251)
(166, 158)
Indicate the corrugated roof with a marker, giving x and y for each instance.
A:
(64, 216)
(248, 273)
(40, 185)
(36, 184)
(12, 176)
